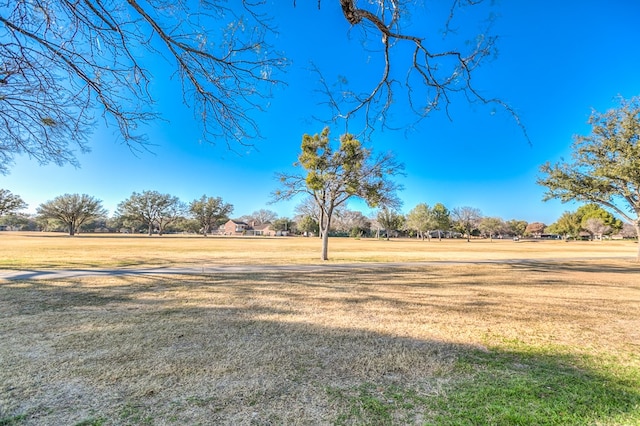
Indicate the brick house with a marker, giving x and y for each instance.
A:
(236, 227)
(263, 229)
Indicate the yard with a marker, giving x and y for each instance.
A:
(549, 333)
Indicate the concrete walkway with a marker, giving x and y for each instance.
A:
(53, 274)
(37, 274)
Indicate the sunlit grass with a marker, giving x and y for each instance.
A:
(42, 250)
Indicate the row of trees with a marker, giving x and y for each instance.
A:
(156, 213)
(427, 222)
(150, 210)
(593, 220)
(604, 173)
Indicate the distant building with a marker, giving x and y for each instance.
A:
(236, 227)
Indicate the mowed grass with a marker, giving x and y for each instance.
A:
(58, 251)
(544, 340)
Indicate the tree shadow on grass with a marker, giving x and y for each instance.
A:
(243, 349)
(606, 266)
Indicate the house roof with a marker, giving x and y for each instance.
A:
(262, 226)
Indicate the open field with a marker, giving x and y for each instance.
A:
(55, 250)
(550, 339)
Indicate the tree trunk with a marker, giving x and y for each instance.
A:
(637, 226)
(325, 245)
(72, 229)
(325, 238)
(321, 227)
(150, 229)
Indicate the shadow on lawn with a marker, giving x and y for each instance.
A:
(595, 266)
(212, 350)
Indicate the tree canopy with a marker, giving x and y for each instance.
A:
(210, 212)
(535, 229)
(421, 219)
(594, 211)
(491, 226)
(589, 217)
(65, 63)
(516, 227)
(152, 209)
(10, 203)
(606, 164)
(332, 176)
(466, 219)
(390, 220)
(73, 210)
(567, 225)
(442, 217)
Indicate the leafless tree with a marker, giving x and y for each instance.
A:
(425, 66)
(628, 231)
(466, 219)
(64, 63)
(308, 207)
(596, 227)
(351, 221)
(261, 216)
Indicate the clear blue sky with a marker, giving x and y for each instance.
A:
(557, 61)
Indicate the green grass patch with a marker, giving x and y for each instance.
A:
(12, 420)
(503, 388)
(377, 404)
(134, 415)
(523, 389)
(93, 422)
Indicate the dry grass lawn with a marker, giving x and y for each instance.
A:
(538, 341)
(56, 250)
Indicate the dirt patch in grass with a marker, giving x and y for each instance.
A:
(400, 346)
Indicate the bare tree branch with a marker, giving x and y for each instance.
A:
(60, 62)
(432, 77)
(64, 62)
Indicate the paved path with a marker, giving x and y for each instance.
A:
(37, 274)
(30, 274)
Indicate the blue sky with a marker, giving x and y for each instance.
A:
(557, 61)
